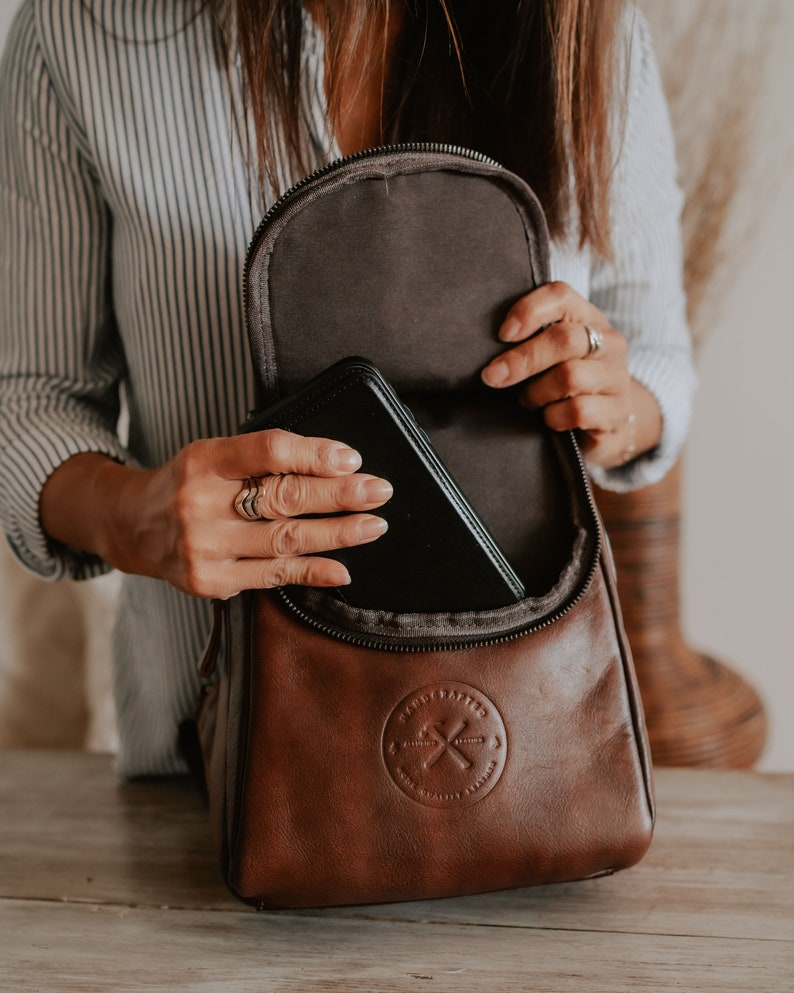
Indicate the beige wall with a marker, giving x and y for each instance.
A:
(738, 544)
(738, 562)
(739, 483)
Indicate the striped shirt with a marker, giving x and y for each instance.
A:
(125, 215)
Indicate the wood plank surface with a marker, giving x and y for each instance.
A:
(75, 832)
(115, 886)
(93, 949)
(721, 863)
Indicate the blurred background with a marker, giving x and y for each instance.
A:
(730, 80)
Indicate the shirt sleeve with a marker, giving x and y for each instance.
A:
(640, 290)
(61, 361)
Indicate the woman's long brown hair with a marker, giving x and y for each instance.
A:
(528, 82)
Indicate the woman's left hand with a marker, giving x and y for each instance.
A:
(573, 365)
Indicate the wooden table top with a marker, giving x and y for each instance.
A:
(107, 886)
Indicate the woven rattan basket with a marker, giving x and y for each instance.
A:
(698, 710)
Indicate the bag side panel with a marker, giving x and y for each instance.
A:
(222, 727)
(632, 687)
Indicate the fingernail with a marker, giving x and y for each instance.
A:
(495, 374)
(377, 490)
(511, 329)
(371, 527)
(345, 460)
(343, 576)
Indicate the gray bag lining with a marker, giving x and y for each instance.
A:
(413, 260)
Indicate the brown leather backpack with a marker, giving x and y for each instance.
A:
(360, 755)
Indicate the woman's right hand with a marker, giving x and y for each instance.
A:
(179, 522)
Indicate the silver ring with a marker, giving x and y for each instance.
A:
(247, 502)
(594, 340)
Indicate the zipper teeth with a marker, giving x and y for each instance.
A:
(372, 642)
(339, 633)
(366, 153)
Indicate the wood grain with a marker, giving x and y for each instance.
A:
(75, 832)
(109, 886)
(78, 947)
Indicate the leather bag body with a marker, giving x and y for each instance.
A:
(358, 755)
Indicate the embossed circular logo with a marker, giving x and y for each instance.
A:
(445, 745)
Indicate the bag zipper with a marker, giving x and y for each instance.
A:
(209, 659)
(415, 147)
(418, 645)
(339, 633)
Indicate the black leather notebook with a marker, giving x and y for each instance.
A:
(437, 554)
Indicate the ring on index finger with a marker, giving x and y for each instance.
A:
(594, 340)
(247, 500)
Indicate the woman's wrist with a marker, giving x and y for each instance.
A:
(643, 430)
(637, 430)
(85, 505)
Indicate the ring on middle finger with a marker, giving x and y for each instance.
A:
(247, 500)
(594, 340)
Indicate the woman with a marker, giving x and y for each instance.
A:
(140, 144)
